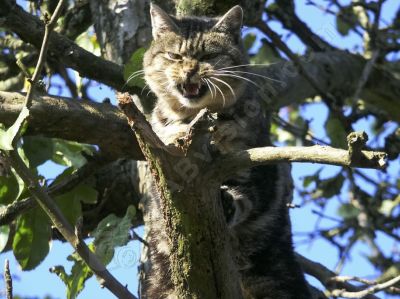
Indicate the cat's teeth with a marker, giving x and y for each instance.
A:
(191, 89)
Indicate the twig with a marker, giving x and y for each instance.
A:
(354, 157)
(365, 74)
(354, 278)
(48, 29)
(324, 275)
(135, 236)
(371, 290)
(42, 197)
(285, 49)
(50, 24)
(328, 98)
(13, 210)
(322, 215)
(66, 229)
(298, 132)
(284, 11)
(8, 280)
(30, 29)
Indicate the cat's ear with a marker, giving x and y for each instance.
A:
(161, 22)
(231, 21)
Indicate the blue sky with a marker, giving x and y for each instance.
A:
(40, 282)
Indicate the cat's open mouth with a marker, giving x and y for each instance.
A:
(192, 90)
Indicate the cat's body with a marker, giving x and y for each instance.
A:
(187, 59)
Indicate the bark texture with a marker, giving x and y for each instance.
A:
(122, 26)
(201, 259)
(100, 124)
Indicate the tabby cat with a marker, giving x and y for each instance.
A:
(197, 62)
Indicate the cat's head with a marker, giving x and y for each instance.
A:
(189, 63)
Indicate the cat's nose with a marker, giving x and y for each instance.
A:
(190, 71)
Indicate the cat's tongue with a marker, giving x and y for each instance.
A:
(191, 89)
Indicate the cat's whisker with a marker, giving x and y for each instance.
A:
(219, 60)
(245, 65)
(222, 94)
(138, 74)
(134, 75)
(237, 77)
(213, 85)
(254, 74)
(208, 86)
(230, 87)
(144, 87)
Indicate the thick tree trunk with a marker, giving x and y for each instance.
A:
(122, 26)
(189, 212)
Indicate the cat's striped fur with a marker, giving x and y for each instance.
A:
(192, 64)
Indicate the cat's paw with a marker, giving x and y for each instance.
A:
(228, 136)
(176, 139)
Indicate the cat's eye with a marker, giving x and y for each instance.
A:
(174, 56)
(209, 56)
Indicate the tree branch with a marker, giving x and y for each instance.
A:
(324, 275)
(284, 11)
(371, 290)
(201, 260)
(8, 280)
(142, 127)
(13, 210)
(66, 229)
(104, 125)
(32, 181)
(100, 124)
(332, 70)
(230, 164)
(30, 29)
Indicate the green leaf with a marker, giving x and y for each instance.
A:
(342, 26)
(348, 211)
(4, 233)
(307, 180)
(86, 194)
(70, 202)
(336, 132)
(9, 189)
(112, 232)
(38, 149)
(70, 206)
(332, 186)
(75, 281)
(31, 240)
(80, 273)
(69, 153)
(249, 40)
(7, 136)
(135, 64)
(346, 20)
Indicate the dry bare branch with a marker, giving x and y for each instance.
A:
(8, 280)
(371, 290)
(231, 163)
